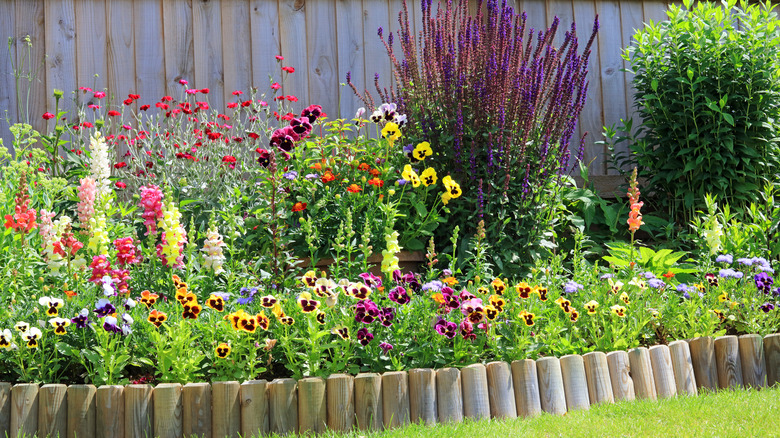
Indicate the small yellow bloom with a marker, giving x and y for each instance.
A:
(391, 132)
(222, 350)
(591, 306)
(723, 297)
(410, 175)
(429, 177)
(618, 310)
(422, 150)
(451, 186)
(564, 304)
(624, 297)
(528, 318)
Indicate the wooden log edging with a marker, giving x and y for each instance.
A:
(372, 401)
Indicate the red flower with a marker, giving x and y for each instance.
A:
(328, 176)
(232, 105)
(48, 116)
(85, 89)
(246, 103)
(228, 159)
(128, 101)
(279, 58)
(238, 93)
(288, 69)
(144, 107)
(120, 185)
(364, 167)
(253, 135)
(162, 106)
(292, 98)
(166, 99)
(354, 188)
(99, 94)
(275, 86)
(87, 125)
(133, 96)
(191, 91)
(183, 82)
(120, 165)
(376, 182)
(113, 113)
(204, 90)
(93, 107)
(299, 206)
(668, 275)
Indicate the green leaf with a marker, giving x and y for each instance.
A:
(729, 118)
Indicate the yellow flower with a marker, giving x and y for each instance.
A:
(624, 297)
(410, 175)
(391, 132)
(592, 305)
(498, 286)
(429, 177)
(445, 198)
(222, 350)
(564, 304)
(528, 318)
(638, 282)
(59, 325)
(618, 310)
(452, 188)
(723, 297)
(615, 286)
(422, 150)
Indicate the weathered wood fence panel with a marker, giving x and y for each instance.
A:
(146, 46)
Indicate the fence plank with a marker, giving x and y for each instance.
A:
(620, 375)
(728, 362)
(110, 415)
(703, 358)
(236, 48)
(52, 411)
(592, 116)
(661, 361)
(264, 28)
(631, 20)
(751, 353)
(323, 56)
(24, 409)
(654, 10)
(449, 396)
(376, 61)
(597, 373)
(8, 101)
(312, 409)
(340, 389)
(139, 411)
(293, 36)
(501, 392)
(167, 410)
(575, 384)
(254, 409)
(91, 68)
(5, 409)
(526, 384)
(207, 49)
(642, 373)
(30, 20)
(226, 409)
(422, 395)
(551, 392)
(536, 13)
(368, 401)
(395, 399)
(683, 368)
(283, 404)
(149, 51)
(179, 51)
(60, 40)
(476, 401)
(81, 411)
(120, 50)
(196, 409)
(349, 34)
(772, 355)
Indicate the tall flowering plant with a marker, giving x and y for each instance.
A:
(499, 103)
(634, 216)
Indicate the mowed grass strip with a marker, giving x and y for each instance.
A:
(741, 413)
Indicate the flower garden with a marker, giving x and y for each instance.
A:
(176, 243)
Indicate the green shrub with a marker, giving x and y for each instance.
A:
(708, 92)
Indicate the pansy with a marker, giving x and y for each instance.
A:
(216, 302)
(528, 318)
(446, 328)
(624, 297)
(711, 279)
(591, 307)
(491, 312)
(371, 280)
(410, 175)
(82, 319)
(364, 337)
(391, 132)
(341, 331)
(763, 282)
(386, 346)
(110, 325)
(497, 301)
(320, 317)
(618, 310)
(222, 351)
(523, 290)
(615, 286)
(564, 304)
(360, 291)
(452, 188)
(6, 339)
(148, 298)
(191, 310)
(723, 297)
(574, 314)
(104, 307)
(307, 303)
(59, 325)
(247, 323)
(157, 318)
(268, 301)
(22, 326)
(309, 279)
(498, 285)
(638, 282)
(399, 295)
(541, 292)
(467, 330)
(719, 314)
(287, 320)
(51, 304)
(766, 308)
(31, 336)
(422, 150)
(263, 322)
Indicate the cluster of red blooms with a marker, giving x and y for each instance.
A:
(23, 219)
(634, 217)
(68, 245)
(284, 138)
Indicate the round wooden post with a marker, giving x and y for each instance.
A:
(395, 399)
(254, 409)
(703, 358)
(81, 411)
(226, 409)
(312, 410)
(772, 356)
(620, 376)
(5, 409)
(368, 401)
(501, 391)
(682, 366)
(728, 362)
(476, 403)
(526, 384)
(751, 354)
(283, 406)
(575, 384)
(167, 410)
(663, 374)
(551, 393)
(110, 415)
(196, 409)
(52, 411)
(340, 390)
(642, 373)
(422, 396)
(597, 375)
(139, 409)
(24, 409)
(449, 396)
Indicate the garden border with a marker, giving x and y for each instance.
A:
(375, 401)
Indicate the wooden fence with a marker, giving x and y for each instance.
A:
(146, 46)
(376, 401)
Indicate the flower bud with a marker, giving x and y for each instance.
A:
(99, 123)
(57, 94)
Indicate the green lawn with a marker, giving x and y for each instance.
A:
(743, 413)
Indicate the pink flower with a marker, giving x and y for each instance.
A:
(99, 94)
(85, 89)
(48, 116)
(86, 205)
(191, 90)
(204, 90)
(151, 202)
(113, 113)
(276, 86)
(126, 251)
(100, 268)
(183, 82)
(288, 69)
(232, 105)
(127, 127)
(93, 107)
(279, 58)
(120, 185)
(238, 93)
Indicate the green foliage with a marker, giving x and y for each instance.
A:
(708, 91)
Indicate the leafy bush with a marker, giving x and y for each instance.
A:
(499, 103)
(708, 91)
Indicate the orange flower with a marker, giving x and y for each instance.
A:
(148, 298)
(299, 206)
(70, 293)
(316, 166)
(376, 182)
(354, 188)
(364, 167)
(451, 281)
(157, 318)
(668, 275)
(328, 176)
(439, 298)
(374, 172)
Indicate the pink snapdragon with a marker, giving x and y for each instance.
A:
(126, 251)
(86, 205)
(151, 202)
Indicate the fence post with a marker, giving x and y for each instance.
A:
(139, 411)
(663, 375)
(501, 392)
(551, 393)
(703, 357)
(283, 404)
(526, 384)
(476, 403)
(110, 415)
(226, 409)
(340, 390)
(52, 411)
(642, 373)
(728, 362)
(395, 399)
(254, 409)
(575, 384)
(772, 355)
(597, 375)
(5, 409)
(682, 365)
(81, 411)
(751, 353)
(196, 409)
(368, 401)
(167, 410)
(422, 395)
(449, 395)
(312, 411)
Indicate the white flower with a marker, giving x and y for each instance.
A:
(100, 169)
(360, 112)
(212, 249)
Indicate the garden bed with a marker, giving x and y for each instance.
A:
(372, 401)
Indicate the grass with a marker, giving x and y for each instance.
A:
(742, 413)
